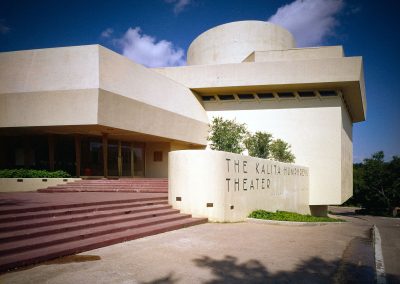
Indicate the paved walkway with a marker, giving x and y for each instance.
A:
(221, 253)
(389, 230)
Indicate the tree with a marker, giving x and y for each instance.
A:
(376, 184)
(231, 136)
(280, 151)
(227, 135)
(259, 144)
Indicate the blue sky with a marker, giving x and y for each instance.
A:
(158, 33)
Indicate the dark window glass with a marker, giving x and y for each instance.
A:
(208, 98)
(226, 97)
(329, 93)
(306, 94)
(64, 153)
(91, 156)
(246, 96)
(265, 95)
(286, 95)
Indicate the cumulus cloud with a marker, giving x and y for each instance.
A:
(107, 33)
(310, 21)
(179, 5)
(144, 49)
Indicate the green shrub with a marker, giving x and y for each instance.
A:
(289, 216)
(29, 173)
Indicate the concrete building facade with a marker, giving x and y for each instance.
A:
(93, 112)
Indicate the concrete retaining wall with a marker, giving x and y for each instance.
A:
(30, 184)
(226, 187)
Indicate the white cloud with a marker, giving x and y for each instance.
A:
(107, 33)
(144, 49)
(310, 21)
(179, 5)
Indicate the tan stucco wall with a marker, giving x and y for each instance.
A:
(296, 54)
(55, 86)
(199, 177)
(49, 69)
(328, 73)
(233, 42)
(49, 108)
(314, 130)
(122, 76)
(31, 184)
(157, 169)
(347, 156)
(121, 112)
(98, 89)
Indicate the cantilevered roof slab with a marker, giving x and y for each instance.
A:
(92, 86)
(343, 73)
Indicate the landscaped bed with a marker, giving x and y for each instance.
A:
(289, 216)
(30, 173)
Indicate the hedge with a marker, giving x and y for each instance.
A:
(28, 173)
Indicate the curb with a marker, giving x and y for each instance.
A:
(289, 223)
(379, 264)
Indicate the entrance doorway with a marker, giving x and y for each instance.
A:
(123, 159)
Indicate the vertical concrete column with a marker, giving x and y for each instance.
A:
(50, 139)
(105, 154)
(78, 155)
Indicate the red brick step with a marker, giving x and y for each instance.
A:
(40, 226)
(51, 252)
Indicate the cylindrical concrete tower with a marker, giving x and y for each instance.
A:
(233, 42)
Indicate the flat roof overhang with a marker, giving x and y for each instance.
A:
(345, 74)
(90, 130)
(91, 85)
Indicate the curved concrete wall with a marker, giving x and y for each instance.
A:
(227, 187)
(233, 42)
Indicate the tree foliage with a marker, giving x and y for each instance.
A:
(280, 151)
(227, 135)
(231, 136)
(258, 144)
(376, 184)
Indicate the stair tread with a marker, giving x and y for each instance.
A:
(36, 255)
(38, 231)
(22, 209)
(70, 235)
(82, 209)
(76, 217)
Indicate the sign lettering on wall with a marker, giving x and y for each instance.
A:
(246, 176)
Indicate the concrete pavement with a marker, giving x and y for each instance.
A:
(222, 253)
(389, 229)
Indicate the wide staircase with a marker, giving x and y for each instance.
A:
(35, 233)
(159, 185)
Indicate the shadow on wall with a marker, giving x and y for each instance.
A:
(314, 270)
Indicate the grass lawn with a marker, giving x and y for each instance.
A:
(290, 216)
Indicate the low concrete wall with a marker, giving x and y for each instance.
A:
(226, 187)
(30, 184)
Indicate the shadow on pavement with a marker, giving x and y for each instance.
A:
(169, 279)
(313, 270)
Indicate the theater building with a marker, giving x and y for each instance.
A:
(94, 113)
